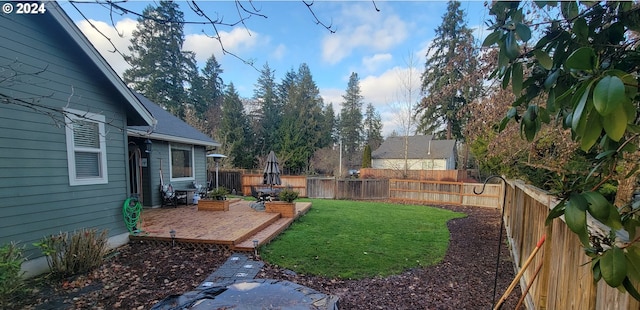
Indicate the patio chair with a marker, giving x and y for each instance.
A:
(255, 193)
(168, 195)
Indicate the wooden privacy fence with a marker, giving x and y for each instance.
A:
(437, 175)
(440, 192)
(321, 187)
(565, 280)
(296, 182)
(362, 189)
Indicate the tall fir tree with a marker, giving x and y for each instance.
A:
(213, 92)
(301, 122)
(372, 127)
(235, 130)
(350, 127)
(159, 68)
(265, 92)
(450, 79)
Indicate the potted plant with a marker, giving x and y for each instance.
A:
(216, 200)
(285, 205)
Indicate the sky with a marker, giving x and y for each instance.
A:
(380, 46)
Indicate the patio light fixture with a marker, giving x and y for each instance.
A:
(147, 146)
(173, 237)
(255, 247)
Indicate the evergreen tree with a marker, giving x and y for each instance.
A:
(351, 117)
(366, 157)
(235, 131)
(328, 130)
(271, 108)
(159, 68)
(300, 130)
(372, 127)
(213, 94)
(450, 79)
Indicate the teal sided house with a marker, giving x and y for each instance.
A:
(68, 128)
(177, 155)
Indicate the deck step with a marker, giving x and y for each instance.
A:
(265, 235)
(256, 230)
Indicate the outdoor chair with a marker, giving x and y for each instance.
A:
(255, 193)
(168, 195)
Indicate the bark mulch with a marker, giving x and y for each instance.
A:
(139, 274)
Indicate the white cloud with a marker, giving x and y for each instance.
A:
(279, 52)
(373, 62)
(238, 41)
(361, 29)
(119, 36)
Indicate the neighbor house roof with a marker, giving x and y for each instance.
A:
(140, 115)
(169, 127)
(419, 147)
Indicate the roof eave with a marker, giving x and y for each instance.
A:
(63, 19)
(170, 138)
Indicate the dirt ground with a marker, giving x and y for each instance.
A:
(138, 275)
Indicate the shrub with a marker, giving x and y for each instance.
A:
(219, 193)
(11, 281)
(288, 195)
(69, 255)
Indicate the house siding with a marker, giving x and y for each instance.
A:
(160, 160)
(36, 199)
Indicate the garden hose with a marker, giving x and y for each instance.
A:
(131, 211)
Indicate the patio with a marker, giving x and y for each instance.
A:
(234, 229)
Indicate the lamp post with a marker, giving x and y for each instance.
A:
(216, 159)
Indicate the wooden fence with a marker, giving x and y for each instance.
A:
(439, 192)
(359, 189)
(565, 280)
(436, 175)
(297, 182)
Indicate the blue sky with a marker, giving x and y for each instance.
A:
(378, 46)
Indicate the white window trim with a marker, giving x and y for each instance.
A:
(72, 115)
(193, 162)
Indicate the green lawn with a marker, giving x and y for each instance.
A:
(353, 239)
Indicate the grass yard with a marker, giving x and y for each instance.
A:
(354, 239)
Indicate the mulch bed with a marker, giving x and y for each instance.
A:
(139, 274)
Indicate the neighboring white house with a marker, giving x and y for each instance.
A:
(423, 153)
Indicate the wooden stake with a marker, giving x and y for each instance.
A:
(519, 275)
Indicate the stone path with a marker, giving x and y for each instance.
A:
(237, 267)
(232, 286)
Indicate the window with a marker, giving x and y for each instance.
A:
(181, 162)
(86, 148)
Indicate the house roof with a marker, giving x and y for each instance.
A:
(169, 127)
(137, 114)
(419, 147)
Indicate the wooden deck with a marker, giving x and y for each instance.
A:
(234, 229)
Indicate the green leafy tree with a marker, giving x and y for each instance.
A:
(235, 130)
(586, 63)
(450, 78)
(372, 127)
(159, 68)
(350, 127)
